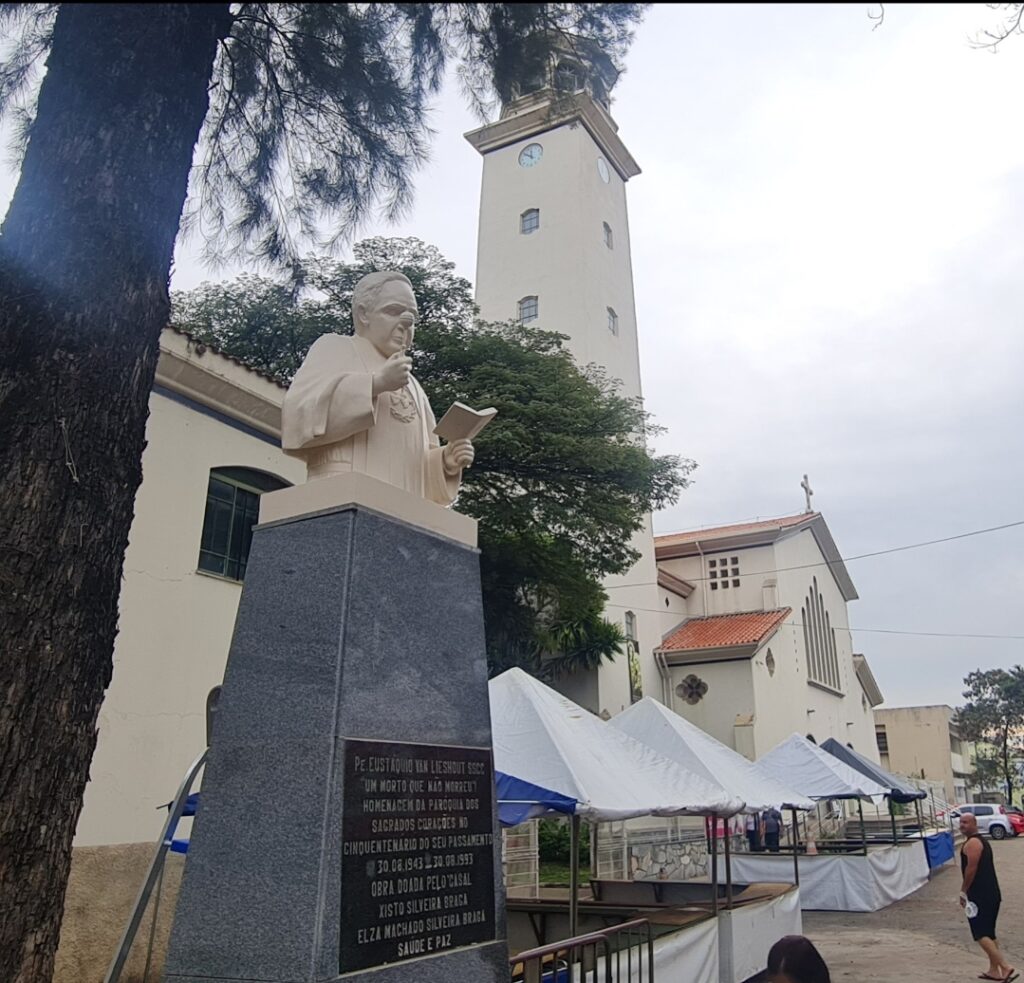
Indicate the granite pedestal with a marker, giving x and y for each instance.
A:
(347, 825)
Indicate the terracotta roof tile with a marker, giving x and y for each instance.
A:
(725, 630)
(739, 529)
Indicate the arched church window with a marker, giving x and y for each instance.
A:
(613, 321)
(232, 509)
(630, 628)
(609, 239)
(528, 309)
(529, 221)
(820, 641)
(568, 76)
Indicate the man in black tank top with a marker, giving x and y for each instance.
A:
(981, 888)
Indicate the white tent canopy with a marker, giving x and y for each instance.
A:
(653, 724)
(541, 737)
(816, 773)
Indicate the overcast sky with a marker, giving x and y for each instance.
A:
(827, 246)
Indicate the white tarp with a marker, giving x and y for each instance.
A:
(653, 724)
(541, 737)
(747, 932)
(845, 882)
(817, 774)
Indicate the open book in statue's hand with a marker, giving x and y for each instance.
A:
(463, 422)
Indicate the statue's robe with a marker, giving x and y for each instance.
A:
(331, 419)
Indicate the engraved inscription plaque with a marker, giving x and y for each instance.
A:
(417, 868)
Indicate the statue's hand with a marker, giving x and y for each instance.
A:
(394, 374)
(457, 455)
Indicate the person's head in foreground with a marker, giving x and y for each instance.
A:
(793, 959)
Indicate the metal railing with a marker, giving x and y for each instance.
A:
(620, 954)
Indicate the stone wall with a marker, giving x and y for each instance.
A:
(104, 883)
(674, 861)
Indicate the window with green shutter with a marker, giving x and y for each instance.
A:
(232, 509)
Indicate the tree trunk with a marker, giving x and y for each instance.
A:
(85, 257)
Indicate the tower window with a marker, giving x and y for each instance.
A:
(568, 77)
(613, 321)
(609, 240)
(232, 509)
(527, 309)
(529, 221)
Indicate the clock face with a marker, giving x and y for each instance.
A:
(531, 155)
(602, 169)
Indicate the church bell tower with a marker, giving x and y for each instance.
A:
(554, 251)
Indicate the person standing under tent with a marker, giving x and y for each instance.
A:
(771, 826)
(753, 826)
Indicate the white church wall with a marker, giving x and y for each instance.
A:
(862, 734)
(730, 694)
(837, 714)
(727, 597)
(755, 565)
(687, 568)
(780, 695)
(175, 625)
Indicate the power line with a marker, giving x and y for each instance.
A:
(864, 556)
(873, 631)
(929, 634)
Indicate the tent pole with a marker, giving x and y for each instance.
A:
(714, 863)
(863, 831)
(892, 819)
(796, 850)
(728, 865)
(920, 817)
(574, 875)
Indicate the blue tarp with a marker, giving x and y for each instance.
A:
(939, 848)
(519, 800)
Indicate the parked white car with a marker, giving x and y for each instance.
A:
(991, 816)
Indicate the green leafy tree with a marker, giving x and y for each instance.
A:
(561, 479)
(994, 715)
(298, 117)
(986, 771)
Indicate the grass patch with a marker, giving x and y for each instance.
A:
(557, 874)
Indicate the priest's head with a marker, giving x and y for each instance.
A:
(384, 311)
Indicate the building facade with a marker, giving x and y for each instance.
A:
(554, 250)
(925, 742)
(212, 447)
(764, 648)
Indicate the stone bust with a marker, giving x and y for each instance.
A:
(354, 404)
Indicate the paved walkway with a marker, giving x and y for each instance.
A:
(924, 937)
